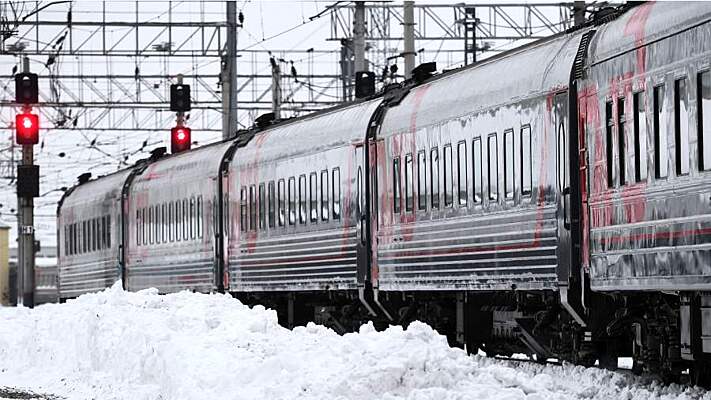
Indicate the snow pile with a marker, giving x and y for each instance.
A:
(121, 345)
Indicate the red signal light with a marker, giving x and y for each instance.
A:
(27, 128)
(179, 139)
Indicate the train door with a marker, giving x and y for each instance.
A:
(567, 168)
(362, 247)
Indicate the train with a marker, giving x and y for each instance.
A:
(552, 200)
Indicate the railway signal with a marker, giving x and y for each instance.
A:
(26, 135)
(179, 139)
(27, 128)
(179, 102)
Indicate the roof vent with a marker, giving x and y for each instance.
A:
(84, 178)
(424, 71)
(158, 152)
(264, 120)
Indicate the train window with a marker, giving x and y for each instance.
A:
(661, 165)
(477, 170)
(681, 126)
(704, 120)
(108, 231)
(447, 175)
(193, 219)
(434, 177)
(609, 123)
(144, 218)
(66, 240)
(271, 203)
(242, 209)
(71, 239)
(252, 208)
(262, 207)
(360, 193)
(292, 201)
(526, 159)
(179, 221)
(493, 165)
(509, 164)
(409, 201)
(102, 229)
(421, 181)
(302, 199)
(324, 195)
(462, 180)
(151, 236)
(281, 202)
(156, 223)
(92, 234)
(163, 224)
(336, 192)
(186, 220)
(621, 140)
(396, 185)
(640, 137)
(199, 216)
(171, 222)
(313, 197)
(138, 227)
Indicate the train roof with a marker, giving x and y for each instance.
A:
(540, 68)
(199, 163)
(644, 24)
(107, 186)
(313, 133)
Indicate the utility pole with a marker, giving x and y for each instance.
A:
(409, 37)
(359, 37)
(25, 218)
(276, 89)
(229, 75)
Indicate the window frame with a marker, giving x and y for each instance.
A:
(509, 164)
(448, 175)
(492, 168)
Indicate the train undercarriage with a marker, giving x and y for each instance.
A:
(662, 333)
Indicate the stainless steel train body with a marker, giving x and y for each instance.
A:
(552, 200)
(293, 210)
(649, 150)
(89, 235)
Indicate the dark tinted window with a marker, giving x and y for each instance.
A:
(640, 137)
(272, 206)
(292, 201)
(493, 165)
(302, 199)
(281, 194)
(526, 160)
(609, 145)
(462, 180)
(681, 126)
(477, 170)
(447, 175)
(262, 207)
(661, 154)
(396, 185)
(252, 208)
(621, 140)
(409, 200)
(313, 197)
(244, 224)
(421, 181)
(324, 195)
(336, 193)
(509, 163)
(704, 127)
(434, 177)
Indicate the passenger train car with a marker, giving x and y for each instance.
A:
(552, 200)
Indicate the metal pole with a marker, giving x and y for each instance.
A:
(229, 75)
(180, 115)
(409, 37)
(359, 37)
(276, 89)
(578, 13)
(26, 230)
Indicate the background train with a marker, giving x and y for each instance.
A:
(553, 200)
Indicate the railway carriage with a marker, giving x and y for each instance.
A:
(89, 230)
(551, 200)
(173, 229)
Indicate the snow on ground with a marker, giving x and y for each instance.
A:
(120, 345)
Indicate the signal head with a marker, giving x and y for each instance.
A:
(27, 128)
(179, 139)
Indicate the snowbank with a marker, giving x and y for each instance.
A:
(121, 345)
